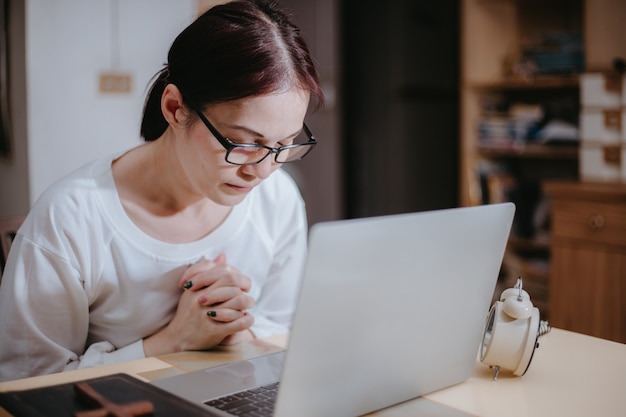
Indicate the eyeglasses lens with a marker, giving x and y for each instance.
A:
(248, 155)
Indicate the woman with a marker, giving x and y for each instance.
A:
(192, 239)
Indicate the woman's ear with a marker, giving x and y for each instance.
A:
(172, 106)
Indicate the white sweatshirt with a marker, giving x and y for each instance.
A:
(83, 285)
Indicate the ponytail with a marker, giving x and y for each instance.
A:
(153, 123)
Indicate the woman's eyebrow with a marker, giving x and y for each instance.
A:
(255, 133)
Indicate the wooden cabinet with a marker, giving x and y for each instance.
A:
(588, 258)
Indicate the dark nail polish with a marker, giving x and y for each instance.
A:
(211, 313)
(187, 285)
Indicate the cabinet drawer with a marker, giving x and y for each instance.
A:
(596, 222)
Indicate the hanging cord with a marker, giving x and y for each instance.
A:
(115, 35)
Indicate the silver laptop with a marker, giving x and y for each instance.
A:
(390, 308)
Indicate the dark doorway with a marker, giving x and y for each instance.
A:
(400, 79)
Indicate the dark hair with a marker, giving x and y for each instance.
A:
(239, 49)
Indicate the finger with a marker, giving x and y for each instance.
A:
(230, 276)
(220, 276)
(186, 280)
(240, 302)
(242, 323)
(221, 259)
(224, 315)
(211, 296)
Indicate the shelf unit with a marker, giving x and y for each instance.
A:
(493, 38)
(495, 79)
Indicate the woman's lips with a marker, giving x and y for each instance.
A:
(240, 189)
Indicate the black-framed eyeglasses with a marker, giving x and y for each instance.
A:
(253, 153)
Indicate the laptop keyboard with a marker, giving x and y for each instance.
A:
(255, 402)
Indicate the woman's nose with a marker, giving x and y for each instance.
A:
(263, 169)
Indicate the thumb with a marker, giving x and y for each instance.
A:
(220, 259)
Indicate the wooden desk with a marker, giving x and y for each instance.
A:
(571, 375)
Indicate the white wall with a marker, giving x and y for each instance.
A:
(68, 44)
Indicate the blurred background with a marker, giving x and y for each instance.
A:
(429, 105)
(388, 133)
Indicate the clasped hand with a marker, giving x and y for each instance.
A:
(211, 310)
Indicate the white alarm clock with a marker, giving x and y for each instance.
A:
(511, 332)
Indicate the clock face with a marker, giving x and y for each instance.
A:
(488, 332)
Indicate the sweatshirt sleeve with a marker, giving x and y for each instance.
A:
(44, 317)
(104, 353)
